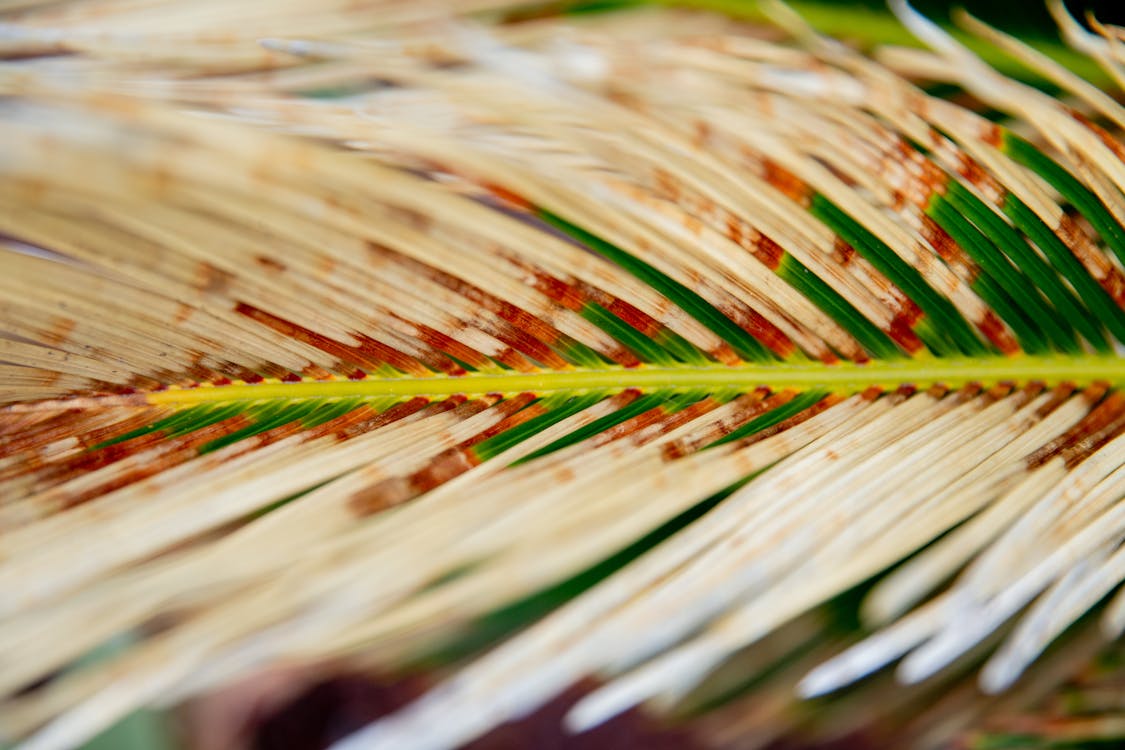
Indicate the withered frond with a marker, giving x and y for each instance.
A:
(380, 330)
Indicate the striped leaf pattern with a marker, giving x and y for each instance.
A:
(382, 329)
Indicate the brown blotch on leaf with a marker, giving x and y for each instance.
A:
(169, 452)
(1106, 415)
(787, 183)
(758, 326)
(270, 264)
(768, 252)
(567, 295)
(335, 348)
(971, 171)
(842, 252)
(212, 280)
(991, 134)
(450, 346)
(395, 491)
(948, 249)
(1105, 137)
(996, 331)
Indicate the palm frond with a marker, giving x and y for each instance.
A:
(345, 329)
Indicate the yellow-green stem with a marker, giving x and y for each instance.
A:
(842, 377)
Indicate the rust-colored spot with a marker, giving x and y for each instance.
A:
(1104, 136)
(59, 332)
(440, 341)
(938, 391)
(169, 452)
(521, 320)
(88, 429)
(1095, 392)
(1069, 232)
(20, 436)
(273, 370)
(898, 200)
(1104, 415)
(1090, 444)
(183, 312)
(819, 407)
(692, 224)
(991, 134)
(270, 264)
(787, 183)
(632, 426)
(945, 246)
(340, 427)
(346, 353)
(842, 252)
(620, 355)
(1108, 277)
(532, 347)
(270, 436)
(366, 419)
(725, 354)
(137, 419)
(677, 420)
(906, 390)
(871, 393)
(996, 392)
(509, 330)
(430, 359)
(702, 134)
(507, 196)
(413, 218)
(445, 466)
(1029, 391)
(316, 372)
(203, 374)
(931, 178)
(997, 332)
(734, 229)
(379, 496)
(768, 252)
(515, 415)
(759, 327)
(625, 99)
(749, 406)
(1059, 394)
(752, 322)
(634, 318)
(666, 184)
(212, 280)
(567, 295)
(511, 358)
(971, 171)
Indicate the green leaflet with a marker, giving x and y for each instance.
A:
(742, 342)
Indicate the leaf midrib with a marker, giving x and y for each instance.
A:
(1051, 369)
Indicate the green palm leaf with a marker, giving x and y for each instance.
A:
(358, 329)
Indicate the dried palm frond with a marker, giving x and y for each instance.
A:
(524, 349)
